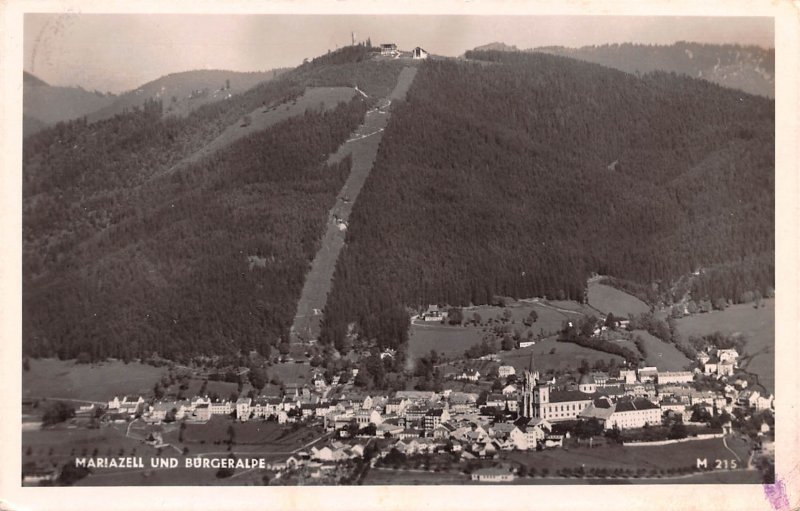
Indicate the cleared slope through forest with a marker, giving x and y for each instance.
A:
(266, 116)
(363, 148)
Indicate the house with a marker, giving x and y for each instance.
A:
(648, 374)
(435, 417)
(529, 432)
(434, 314)
(243, 408)
(469, 375)
(221, 408)
(418, 53)
(668, 377)
(388, 49)
(506, 371)
(365, 417)
(673, 404)
(296, 390)
(396, 406)
(202, 412)
(128, 404)
(526, 344)
(159, 411)
(628, 375)
(492, 475)
(509, 389)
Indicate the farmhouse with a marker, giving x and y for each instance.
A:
(388, 49)
(243, 408)
(418, 53)
(434, 314)
(505, 371)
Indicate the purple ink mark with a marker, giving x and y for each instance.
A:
(776, 495)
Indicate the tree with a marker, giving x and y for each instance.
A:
(531, 318)
(476, 318)
(57, 411)
(611, 321)
(455, 316)
(508, 343)
(258, 377)
(677, 431)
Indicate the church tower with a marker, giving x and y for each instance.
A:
(531, 379)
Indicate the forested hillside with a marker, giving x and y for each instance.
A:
(525, 176)
(122, 259)
(44, 104)
(747, 68)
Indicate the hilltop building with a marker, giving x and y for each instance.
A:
(418, 53)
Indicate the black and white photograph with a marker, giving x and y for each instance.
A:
(466, 249)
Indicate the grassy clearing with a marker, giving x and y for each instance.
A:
(616, 456)
(91, 382)
(451, 341)
(63, 444)
(757, 325)
(608, 299)
(261, 119)
(291, 372)
(266, 435)
(567, 356)
(660, 354)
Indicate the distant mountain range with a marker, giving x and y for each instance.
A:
(181, 93)
(747, 68)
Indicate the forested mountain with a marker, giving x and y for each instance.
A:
(181, 93)
(121, 258)
(44, 104)
(525, 176)
(747, 68)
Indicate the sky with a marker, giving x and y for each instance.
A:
(119, 52)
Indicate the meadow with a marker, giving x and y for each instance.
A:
(566, 356)
(90, 382)
(663, 355)
(608, 299)
(758, 327)
(611, 456)
(452, 340)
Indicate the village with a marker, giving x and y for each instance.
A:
(493, 436)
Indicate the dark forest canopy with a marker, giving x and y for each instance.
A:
(122, 258)
(212, 263)
(524, 176)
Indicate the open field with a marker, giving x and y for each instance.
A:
(454, 340)
(661, 354)
(61, 444)
(567, 355)
(266, 434)
(451, 341)
(661, 457)
(91, 382)
(608, 299)
(757, 325)
(290, 372)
